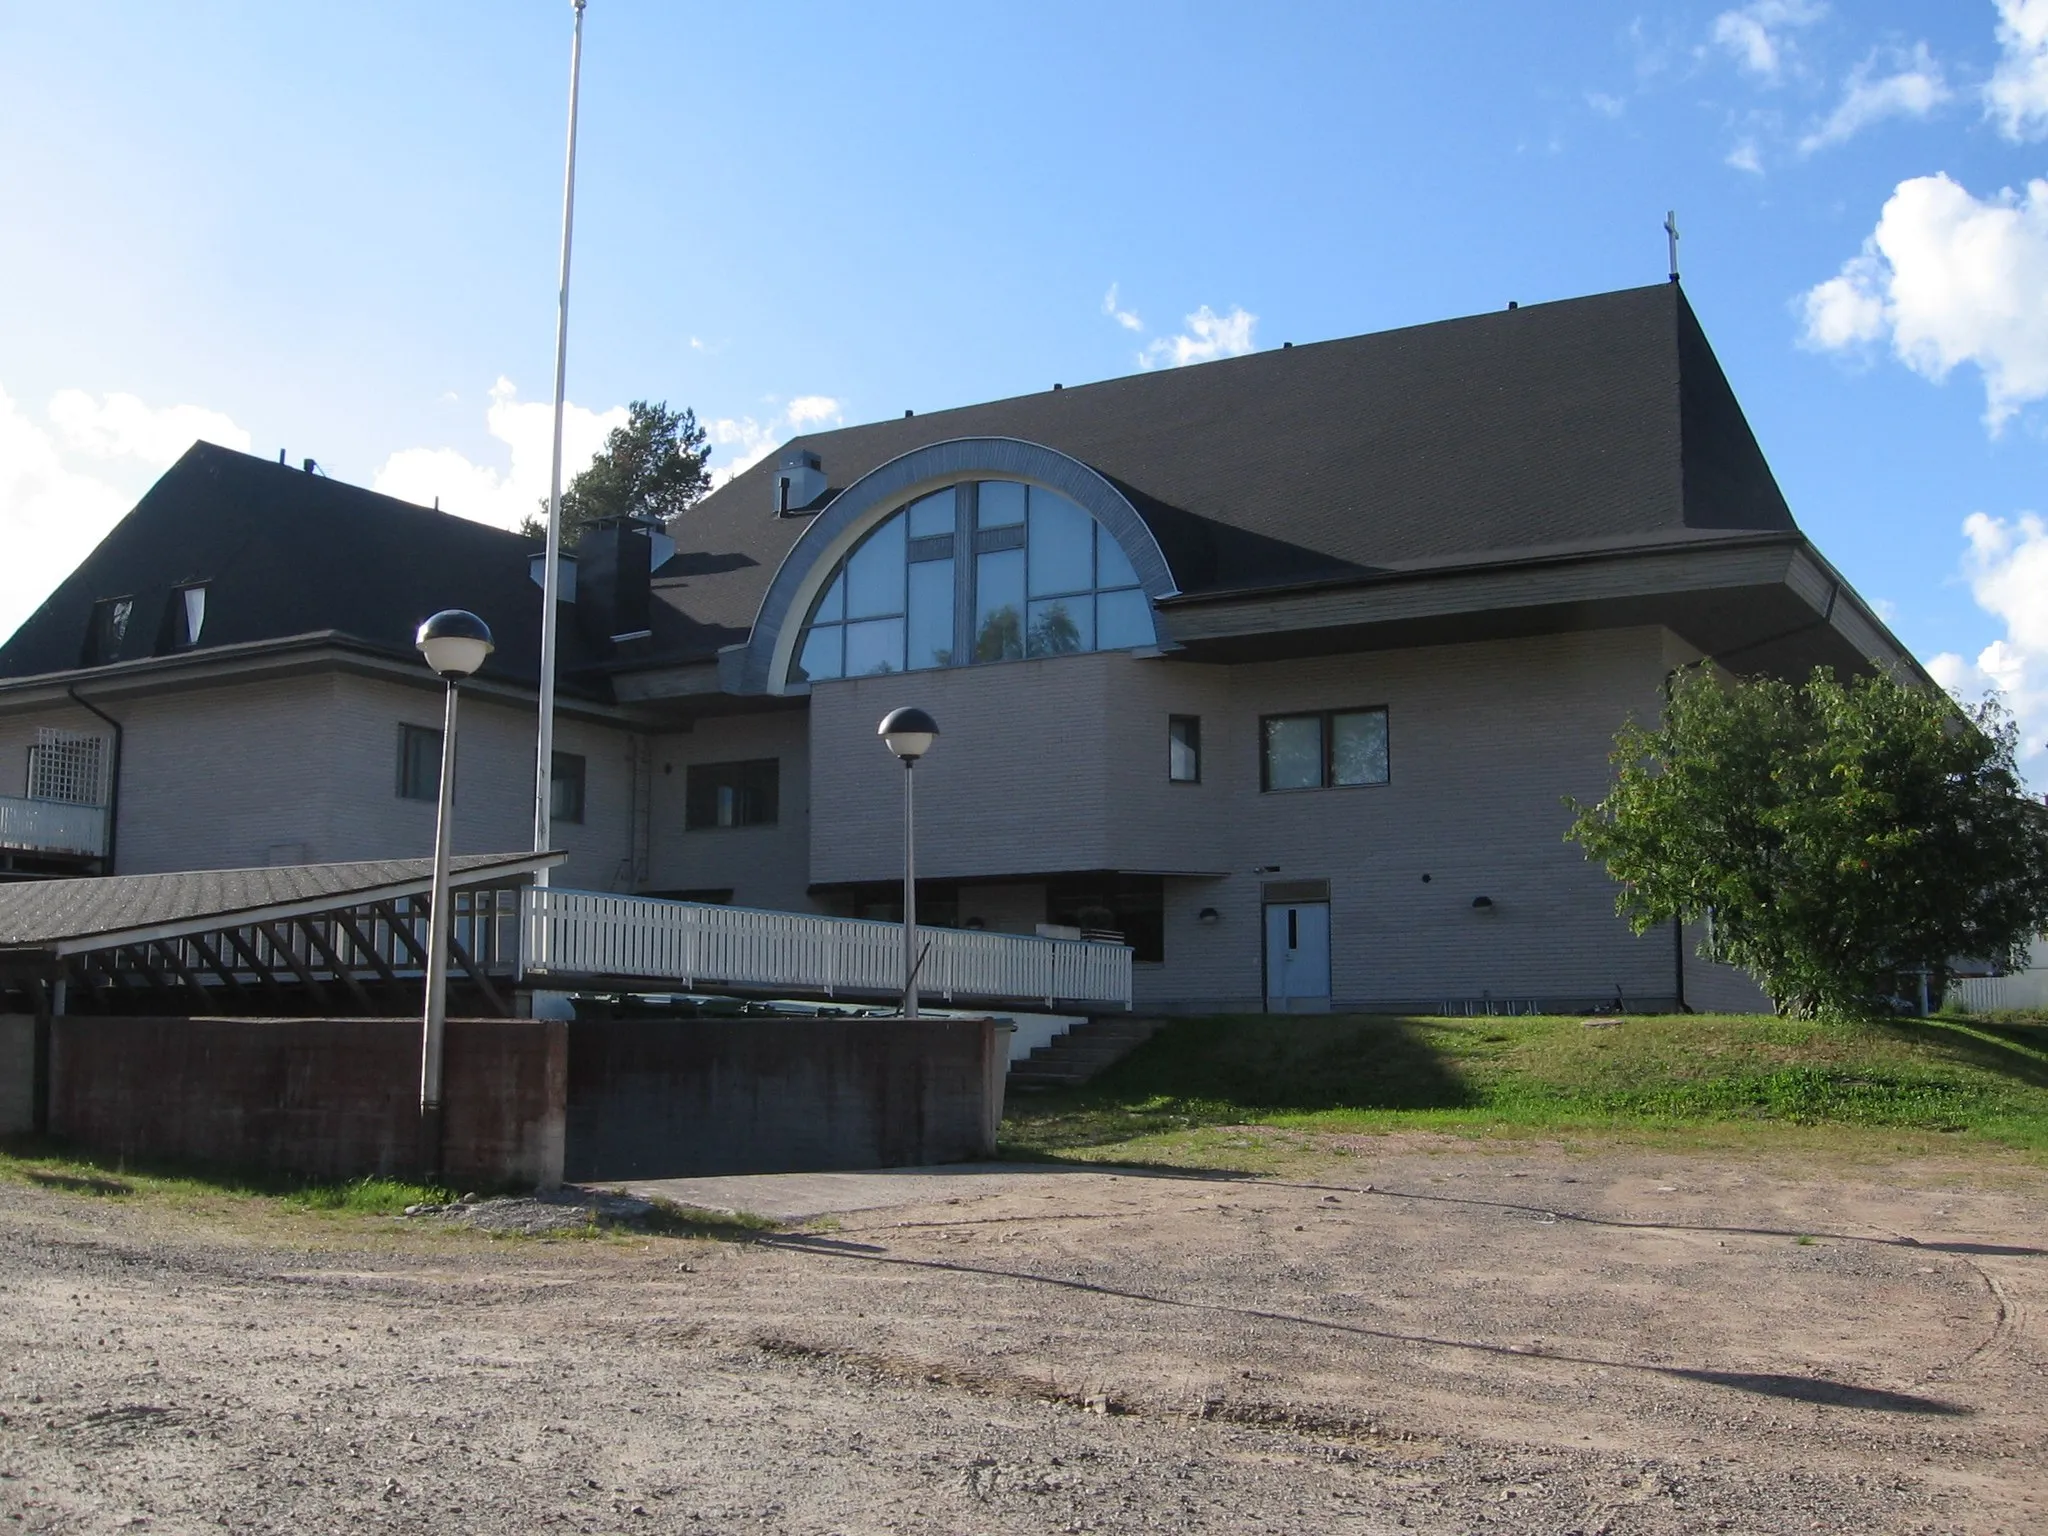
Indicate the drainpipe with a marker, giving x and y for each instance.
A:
(113, 776)
(1678, 961)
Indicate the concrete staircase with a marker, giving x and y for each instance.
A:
(1076, 1056)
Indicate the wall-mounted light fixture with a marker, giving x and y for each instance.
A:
(1209, 917)
(1482, 903)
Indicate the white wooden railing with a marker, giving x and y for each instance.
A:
(52, 826)
(575, 934)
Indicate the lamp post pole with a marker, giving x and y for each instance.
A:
(455, 644)
(436, 1023)
(909, 733)
(909, 888)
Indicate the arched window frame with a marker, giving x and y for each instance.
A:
(761, 666)
(972, 573)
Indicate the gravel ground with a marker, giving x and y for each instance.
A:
(1438, 1339)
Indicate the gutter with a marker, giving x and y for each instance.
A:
(113, 779)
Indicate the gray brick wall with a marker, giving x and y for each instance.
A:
(762, 866)
(1061, 765)
(305, 770)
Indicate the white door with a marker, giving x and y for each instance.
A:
(1298, 957)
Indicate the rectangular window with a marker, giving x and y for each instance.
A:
(565, 788)
(107, 629)
(1184, 749)
(732, 794)
(186, 616)
(419, 763)
(1328, 749)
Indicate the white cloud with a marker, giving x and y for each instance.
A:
(121, 426)
(2016, 95)
(1606, 105)
(52, 509)
(1744, 157)
(1122, 317)
(1952, 279)
(1208, 335)
(2007, 567)
(807, 411)
(1756, 35)
(747, 440)
(1913, 89)
(485, 493)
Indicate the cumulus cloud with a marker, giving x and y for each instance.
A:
(1757, 36)
(1744, 157)
(119, 426)
(2016, 95)
(1606, 105)
(1914, 88)
(1208, 335)
(1120, 315)
(1950, 279)
(488, 493)
(2007, 567)
(65, 484)
(740, 442)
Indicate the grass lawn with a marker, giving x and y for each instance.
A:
(1189, 1094)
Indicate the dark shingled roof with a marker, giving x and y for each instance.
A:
(1591, 422)
(42, 912)
(1588, 423)
(284, 553)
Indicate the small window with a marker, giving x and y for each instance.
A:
(419, 763)
(188, 613)
(1184, 749)
(732, 794)
(1329, 749)
(107, 629)
(565, 788)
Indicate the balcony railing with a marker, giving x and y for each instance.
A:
(578, 935)
(52, 826)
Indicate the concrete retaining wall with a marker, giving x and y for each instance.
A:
(330, 1098)
(663, 1099)
(17, 1074)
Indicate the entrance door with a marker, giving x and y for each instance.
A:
(1298, 957)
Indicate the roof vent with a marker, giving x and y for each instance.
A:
(799, 481)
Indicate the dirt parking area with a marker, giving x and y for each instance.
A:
(1428, 1337)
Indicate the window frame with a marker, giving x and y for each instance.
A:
(1194, 746)
(407, 735)
(968, 546)
(691, 802)
(579, 778)
(1327, 721)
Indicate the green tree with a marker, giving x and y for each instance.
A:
(653, 466)
(1837, 833)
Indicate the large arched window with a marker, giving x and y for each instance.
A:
(992, 570)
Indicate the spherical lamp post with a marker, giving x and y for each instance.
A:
(909, 733)
(455, 644)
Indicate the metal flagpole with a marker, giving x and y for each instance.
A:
(544, 749)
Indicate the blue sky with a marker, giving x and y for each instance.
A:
(335, 231)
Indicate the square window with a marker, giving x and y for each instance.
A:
(565, 788)
(1184, 749)
(732, 794)
(419, 763)
(1358, 747)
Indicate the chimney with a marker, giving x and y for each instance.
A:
(799, 481)
(614, 560)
